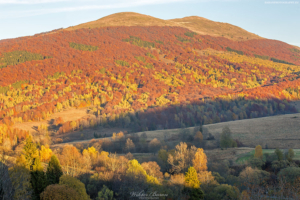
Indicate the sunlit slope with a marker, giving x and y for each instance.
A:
(124, 19)
(119, 76)
(194, 23)
(204, 26)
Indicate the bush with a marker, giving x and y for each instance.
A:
(290, 174)
(75, 184)
(59, 192)
(226, 140)
(190, 34)
(82, 47)
(256, 162)
(225, 191)
(253, 176)
(236, 51)
(105, 194)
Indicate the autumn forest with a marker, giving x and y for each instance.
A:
(137, 79)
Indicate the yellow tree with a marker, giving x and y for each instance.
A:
(191, 179)
(258, 152)
(200, 160)
(198, 136)
(45, 153)
(73, 125)
(136, 171)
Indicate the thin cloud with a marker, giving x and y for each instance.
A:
(115, 4)
(30, 1)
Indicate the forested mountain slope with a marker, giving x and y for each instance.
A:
(120, 73)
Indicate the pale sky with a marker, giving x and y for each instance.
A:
(278, 20)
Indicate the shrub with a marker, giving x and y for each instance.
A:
(83, 47)
(75, 184)
(59, 192)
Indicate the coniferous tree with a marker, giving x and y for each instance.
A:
(192, 184)
(54, 171)
(33, 163)
(38, 179)
(279, 154)
(30, 153)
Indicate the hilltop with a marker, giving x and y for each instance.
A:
(197, 24)
(204, 26)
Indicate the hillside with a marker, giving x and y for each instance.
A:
(204, 26)
(197, 24)
(140, 78)
(124, 19)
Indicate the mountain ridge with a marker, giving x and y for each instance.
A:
(196, 24)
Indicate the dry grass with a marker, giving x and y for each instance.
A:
(226, 154)
(67, 115)
(207, 27)
(197, 24)
(124, 19)
(297, 47)
(281, 131)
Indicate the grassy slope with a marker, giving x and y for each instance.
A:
(207, 27)
(124, 19)
(197, 24)
(281, 131)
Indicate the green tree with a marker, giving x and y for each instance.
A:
(30, 158)
(38, 178)
(54, 171)
(75, 184)
(290, 155)
(226, 192)
(226, 139)
(258, 152)
(30, 153)
(59, 192)
(256, 162)
(279, 154)
(105, 194)
(20, 177)
(290, 174)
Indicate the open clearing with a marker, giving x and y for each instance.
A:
(67, 115)
(281, 131)
(246, 156)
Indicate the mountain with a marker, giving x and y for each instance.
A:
(197, 24)
(140, 78)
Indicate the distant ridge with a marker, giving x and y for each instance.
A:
(196, 24)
